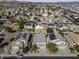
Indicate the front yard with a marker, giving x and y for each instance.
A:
(52, 48)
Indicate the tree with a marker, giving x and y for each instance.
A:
(72, 16)
(21, 24)
(49, 30)
(35, 18)
(76, 47)
(71, 49)
(61, 33)
(34, 48)
(49, 13)
(12, 39)
(9, 29)
(25, 50)
(55, 16)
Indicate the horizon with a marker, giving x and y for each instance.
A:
(49, 0)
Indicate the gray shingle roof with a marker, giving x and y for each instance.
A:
(40, 38)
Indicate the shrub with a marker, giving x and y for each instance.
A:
(9, 29)
(52, 47)
(49, 30)
(25, 50)
(21, 24)
(77, 48)
(12, 39)
(34, 48)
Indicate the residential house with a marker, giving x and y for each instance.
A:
(65, 29)
(3, 21)
(52, 39)
(39, 28)
(51, 25)
(30, 24)
(22, 40)
(2, 32)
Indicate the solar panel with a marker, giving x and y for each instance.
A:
(18, 36)
(52, 36)
(24, 35)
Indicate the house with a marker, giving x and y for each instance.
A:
(52, 39)
(39, 28)
(22, 40)
(30, 24)
(3, 21)
(39, 40)
(65, 29)
(67, 21)
(2, 32)
(51, 25)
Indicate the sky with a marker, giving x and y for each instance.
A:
(50, 0)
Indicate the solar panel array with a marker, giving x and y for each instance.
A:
(24, 35)
(52, 36)
(18, 36)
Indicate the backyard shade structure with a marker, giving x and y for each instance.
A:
(30, 37)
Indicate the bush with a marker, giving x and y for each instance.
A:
(49, 30)
(52, 47)
(34, 48)
(9, 29)
(12, 39)
(61, 33)
(21, 24)
(25, 50)
(77, 48)
(72, 50)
